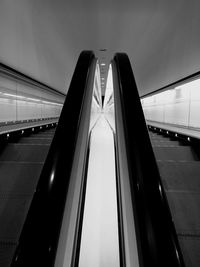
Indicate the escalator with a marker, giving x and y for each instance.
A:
(70, 204)
(179, 166)
(21, 161)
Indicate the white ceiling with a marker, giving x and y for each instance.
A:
(43, 38)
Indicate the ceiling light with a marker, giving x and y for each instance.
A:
(34, 99)
(103, 64)
(9, 94)
(18, 96)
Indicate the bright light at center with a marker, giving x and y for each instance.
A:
(99, 242)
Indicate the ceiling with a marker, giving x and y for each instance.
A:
(43, 38)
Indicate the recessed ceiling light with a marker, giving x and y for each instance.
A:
(103, 64)
(103, 78)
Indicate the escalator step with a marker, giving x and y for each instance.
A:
(165, 142)
(190, 249)
(175, 153)
(169, 144)
(19, 177)
(44, 135)
(180, 175)
(159, 139)
(7, 250)
(185, 209)
(20, 152)
(186, 215)
(13, 210)
(35, 140)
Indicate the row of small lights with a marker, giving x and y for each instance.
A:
(33, 129)
(32, 99)
(167, 132)
(102, 78)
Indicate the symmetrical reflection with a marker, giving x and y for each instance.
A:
(99, 242)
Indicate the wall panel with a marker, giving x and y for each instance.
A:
(178, 106)
(22, 101)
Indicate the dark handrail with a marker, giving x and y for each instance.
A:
(39, 238)
(122, 253)
(157, 239)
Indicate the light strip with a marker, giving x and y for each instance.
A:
(18, 96)
(33, 99)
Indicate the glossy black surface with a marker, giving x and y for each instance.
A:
(122, 252)
(79, 222)
(156, 236)
(40, 234)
